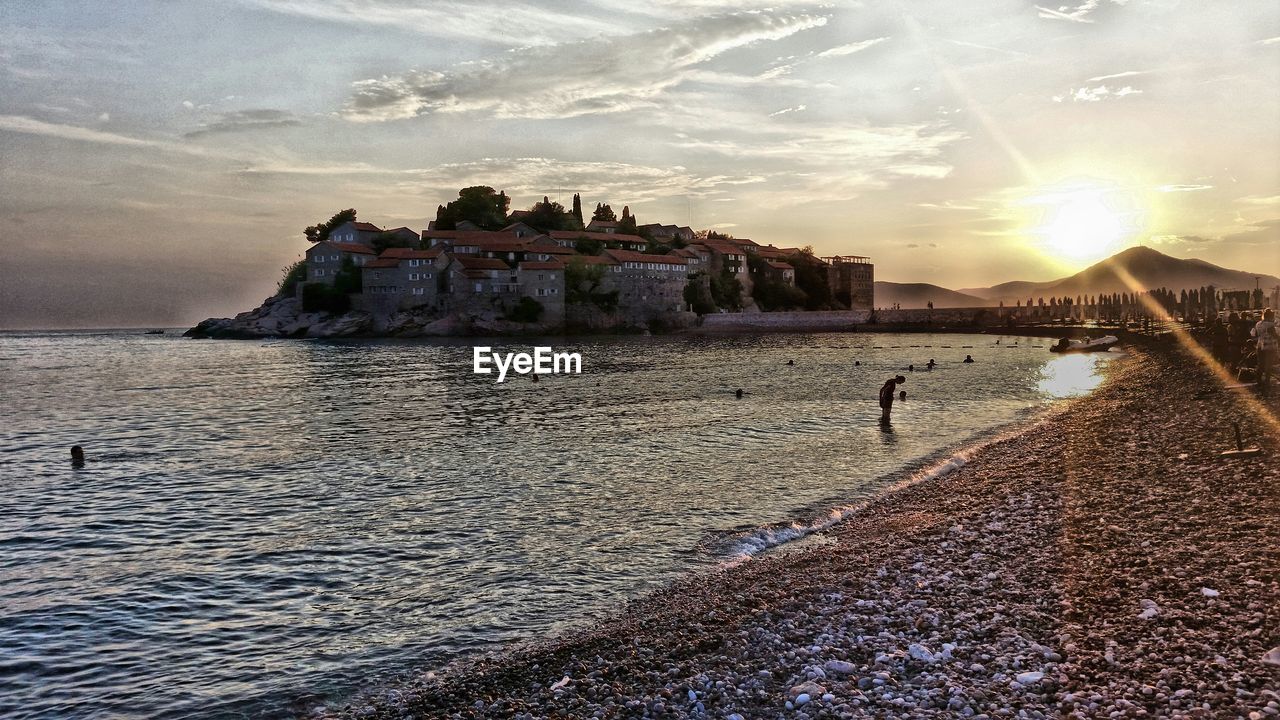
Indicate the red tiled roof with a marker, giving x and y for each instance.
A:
(780, 265)
(383, 263)
(347, 247)
(469, 235)
(479, 263)
(726, 248)
(410, 253)
(593, 260)
(366, 227)
(744, 242)
(631, 256)
(585, 234)
(396, 230)
(541, 266)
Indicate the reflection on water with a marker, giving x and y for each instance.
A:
(1071, 375)
(259, 520)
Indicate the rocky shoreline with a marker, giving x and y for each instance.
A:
(1105, 563)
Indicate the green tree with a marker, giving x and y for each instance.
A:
(527, 310)
(293, 274)
(588, 246)
(698, 296)
(604, 213)
(726, 290)
(348, 279)
(627, 225)
(320, 231)
(547, 216)
(385, 240)
(478, 204)
(771, 294)
(811, 278)
(577, 211)
(582, 286)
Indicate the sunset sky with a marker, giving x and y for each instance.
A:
(158, 160)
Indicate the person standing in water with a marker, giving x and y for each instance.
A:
(886, 397)
(967, 359)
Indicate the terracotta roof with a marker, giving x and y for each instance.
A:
(410, 253)
(469, 235)
(780, 265)
(383, 263)
(726, 248)
(744, 242)
(347, 247)
(399, 229)
(366, 227)
(593, 260)
(588, 235)
(541, 266)
(479, 263)
(631, 256)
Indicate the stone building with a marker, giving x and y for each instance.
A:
(326, 258)
(852, 280)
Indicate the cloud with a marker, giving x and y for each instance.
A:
(31, 126)
(784, 111)
(947, 205)
(1263, 232)
(1260, 200)
(1270, 41)
(244, 120)
(1095, 94)
(851, 48)
(1079, 13)
(533, 177)
(527, 23)
(587, 77)
(1183, 188)
(1113, 76)
(1004, 51)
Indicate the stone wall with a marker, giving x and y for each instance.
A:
(838, 320)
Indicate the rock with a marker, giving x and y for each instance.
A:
(806, 688)
(1149, 609)
(1209, 592)
(802, 699)
(840, 666)
(921, 652)
(1272, 656)
(1028, 678)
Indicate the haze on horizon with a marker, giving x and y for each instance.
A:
(158, 161)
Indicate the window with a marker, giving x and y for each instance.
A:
(320, 273)
(413, 263)
(333, 258)
(426, 276)
(413, 276)
(417, 291)
(479, 287)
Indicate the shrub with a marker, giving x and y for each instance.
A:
(293, 274)
(527, 310)
(319, 297)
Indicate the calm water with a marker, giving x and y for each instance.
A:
(264, 525)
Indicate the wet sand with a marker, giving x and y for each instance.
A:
(1105, 563)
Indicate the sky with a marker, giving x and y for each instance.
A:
(159, 160)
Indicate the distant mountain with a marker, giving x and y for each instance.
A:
(1142, 266)
(918, 295)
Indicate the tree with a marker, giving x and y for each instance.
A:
(293, 275)
(385, 240)
(478, 204)
(527, 310)
(588, 246)
(698, 296)
(726, 290)
(811, 277)
(547, 216)
(627, 225)
(604, 213)
(577, 211)
(320, 231)
(582, 286)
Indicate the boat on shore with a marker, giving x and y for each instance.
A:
(1101, 344)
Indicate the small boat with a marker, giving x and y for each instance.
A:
(1101, 344)
(154, 332)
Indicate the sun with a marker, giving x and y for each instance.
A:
(1084, 222)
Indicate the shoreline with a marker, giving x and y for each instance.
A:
(1051, 574)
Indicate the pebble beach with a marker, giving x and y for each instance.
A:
(1105, 562)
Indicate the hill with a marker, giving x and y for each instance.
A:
(1141, 266)
(918, 295)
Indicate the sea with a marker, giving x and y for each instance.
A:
(262, 527)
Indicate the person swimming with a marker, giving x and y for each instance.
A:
(968, 358)
(738, 393)
(911, 368)
(77, 456)
(931, 364)
(856, 363)
(791, 362)
(902, 394)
